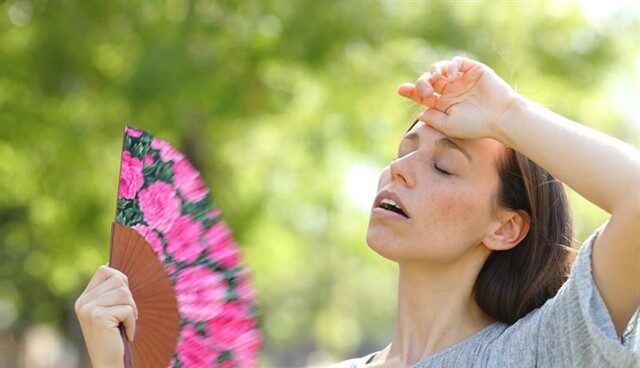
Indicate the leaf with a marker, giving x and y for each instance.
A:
(159, 170)
(138, 146)
(128, 213)
(199, 211)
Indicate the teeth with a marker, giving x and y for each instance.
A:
(390, 202)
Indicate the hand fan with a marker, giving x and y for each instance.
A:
(196, 305)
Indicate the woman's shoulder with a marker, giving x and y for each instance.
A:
(574, 328)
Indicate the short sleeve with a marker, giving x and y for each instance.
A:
(576, 328)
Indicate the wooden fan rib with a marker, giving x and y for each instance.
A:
(161, 327)
(147, 293)
(143, 349)
(159, 318)
(153, 344)
(151, 279)
(124, 250)
(137, 254)
(117, 247)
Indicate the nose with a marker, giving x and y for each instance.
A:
(400, 171)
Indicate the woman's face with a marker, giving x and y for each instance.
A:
(448, 215)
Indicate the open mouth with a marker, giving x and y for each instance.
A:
(390, 205)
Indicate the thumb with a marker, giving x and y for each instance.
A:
(436, 119)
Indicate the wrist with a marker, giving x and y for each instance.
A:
(516, 110)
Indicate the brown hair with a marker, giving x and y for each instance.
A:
(516, 281)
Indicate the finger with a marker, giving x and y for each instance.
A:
(430, 101)
(113, 282)
(453, 70)
(424, 87)
(407, 90)
(102, 273)
(435, 118)
(464, 64)
(124, 314)
(440, 69)
(440, 85)
(119, 296)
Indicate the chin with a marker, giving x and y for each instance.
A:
(385, 244)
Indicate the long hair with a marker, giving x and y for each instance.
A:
(516, 281)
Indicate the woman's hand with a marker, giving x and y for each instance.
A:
(464, 98)
(105, 303)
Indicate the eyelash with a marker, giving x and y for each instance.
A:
(442, 172)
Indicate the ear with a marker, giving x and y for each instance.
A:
(508, 230)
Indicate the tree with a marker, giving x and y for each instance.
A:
(285, 107)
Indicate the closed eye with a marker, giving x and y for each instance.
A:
(442, 171)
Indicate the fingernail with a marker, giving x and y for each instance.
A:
(426, 91)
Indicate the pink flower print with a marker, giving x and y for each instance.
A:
(131, 179)
(200, 293)
(135, 133)
(188, 181)
(221, 246)
(167, 153)
(213, 213)
(159, 205)
(148, 160)
(193, 349)
(152, 238)
(247, 348)
(243, 288)
(228, 324)
(170, 269)
(183, 239)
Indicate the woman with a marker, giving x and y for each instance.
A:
(481, 231)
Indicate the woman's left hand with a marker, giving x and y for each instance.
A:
(464, 98)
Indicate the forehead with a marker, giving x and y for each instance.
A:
(483, 150)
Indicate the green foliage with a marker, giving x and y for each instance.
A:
(276, 103)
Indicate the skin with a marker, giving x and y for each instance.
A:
(439, 251)
(105, 302)
(454, 225)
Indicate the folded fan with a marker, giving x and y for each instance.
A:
(163, 199)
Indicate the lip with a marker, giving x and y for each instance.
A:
(388, 194)
(379, 211)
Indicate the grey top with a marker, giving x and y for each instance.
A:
(572, 329)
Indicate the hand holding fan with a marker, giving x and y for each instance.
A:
(196, 305)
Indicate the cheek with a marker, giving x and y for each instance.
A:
(449, 224)
(454, 208)
(447, 205)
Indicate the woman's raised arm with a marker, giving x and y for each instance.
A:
(466, 99)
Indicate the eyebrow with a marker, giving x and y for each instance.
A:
(443, 142)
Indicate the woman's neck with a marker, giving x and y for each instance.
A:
(436, 309)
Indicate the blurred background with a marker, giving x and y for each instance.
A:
(289, 109)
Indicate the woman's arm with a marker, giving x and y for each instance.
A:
(599, 167)
(471, 101)
(602, 169)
